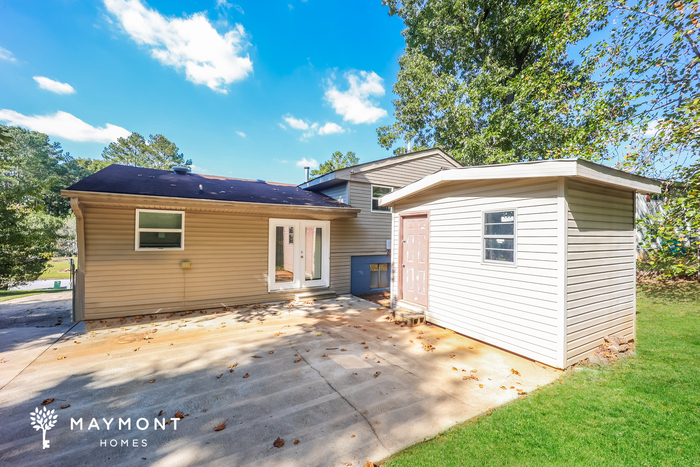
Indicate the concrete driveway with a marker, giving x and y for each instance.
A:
(336, 375)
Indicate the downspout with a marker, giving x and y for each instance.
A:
(79, 292)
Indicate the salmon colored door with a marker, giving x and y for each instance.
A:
(414, 259)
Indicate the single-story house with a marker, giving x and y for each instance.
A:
(153, 241)
(537, 258)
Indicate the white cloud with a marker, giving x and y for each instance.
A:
(190, 43)
(304, 162)
(241, 134)
(199, 170)
(296, 123)
(356, 104)
(64, 126)
(282, 126)
(330, 128)
(54, 86)
(6, 55)
(652, 128)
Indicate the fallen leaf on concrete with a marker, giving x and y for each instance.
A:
(230, 370)
(504, 388)
(470, 347)
(220, 427)
(277, 334)
(325, 355)
(271, 352)
(428, 347)
(296, 441)
(362, 343)
(220, 376)
(179, 415)
(352, 436)
(152, 381)
(297, 360)
(515, 372)
(160, 413)
(451, 355)
(343, 350)
(136, 349)
(76, 342)
(60, 358)
(366, 346)
(65, 406)
(257, 356)
(455, 369)
(377, 374)
(47, 401)
(319, 334)
(410, 341)
(473, 371)
(246, 375)
(279, 442)
(234, 365)
(481, 385)
(369, 464)
(420, 332)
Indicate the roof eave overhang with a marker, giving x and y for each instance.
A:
(573, 168)
(90, 198)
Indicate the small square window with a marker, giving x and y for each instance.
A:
(499, 237)
(378, 276)
(160, 230)
(378, 192)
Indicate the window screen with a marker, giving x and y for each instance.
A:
(378, 275)
(378, 192)
(499, 236)
(159, 230)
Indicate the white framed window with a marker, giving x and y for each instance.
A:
(160, 230)
(498, 237)
(377, 192)
(299, 254)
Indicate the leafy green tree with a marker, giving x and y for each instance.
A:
(492, 82)
(27, 241)
(672, 236)
(156, 153)
(337, 161)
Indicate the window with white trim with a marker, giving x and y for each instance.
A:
(160, 230)
(378, 192)
(499, 237)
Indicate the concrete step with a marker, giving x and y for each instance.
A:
(315, 295)
(410, 317)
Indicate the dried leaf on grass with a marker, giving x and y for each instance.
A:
(220, 427)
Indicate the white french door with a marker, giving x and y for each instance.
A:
(299, 254)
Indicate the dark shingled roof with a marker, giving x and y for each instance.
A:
(128, 180)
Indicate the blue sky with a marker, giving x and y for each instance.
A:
(244, 88)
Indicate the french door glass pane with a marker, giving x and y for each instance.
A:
(284, 254)
(313, 253)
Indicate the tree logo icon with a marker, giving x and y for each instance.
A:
(43, 420)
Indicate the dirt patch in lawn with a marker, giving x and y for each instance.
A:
(381, 298)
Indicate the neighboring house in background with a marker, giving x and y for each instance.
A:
(154, 241)
(647, 205)
(537, 257)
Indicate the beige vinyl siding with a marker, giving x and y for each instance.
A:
(228, 253)
(339, 193)
(600, 266)
(402, 174)
(513, 307)
(363, 235)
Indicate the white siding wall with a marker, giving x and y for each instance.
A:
(513, 307)
(601, 267)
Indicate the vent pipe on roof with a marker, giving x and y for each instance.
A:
(409, 146)
(306, 172)
(180, 170)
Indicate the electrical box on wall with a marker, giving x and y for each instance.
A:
(388, 244)
(185, 265)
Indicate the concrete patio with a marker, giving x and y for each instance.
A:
(337, 375)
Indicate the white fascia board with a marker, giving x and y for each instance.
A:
(536, 169)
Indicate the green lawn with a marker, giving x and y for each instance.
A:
(54, 267)
(10, 294)
(642, 411)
